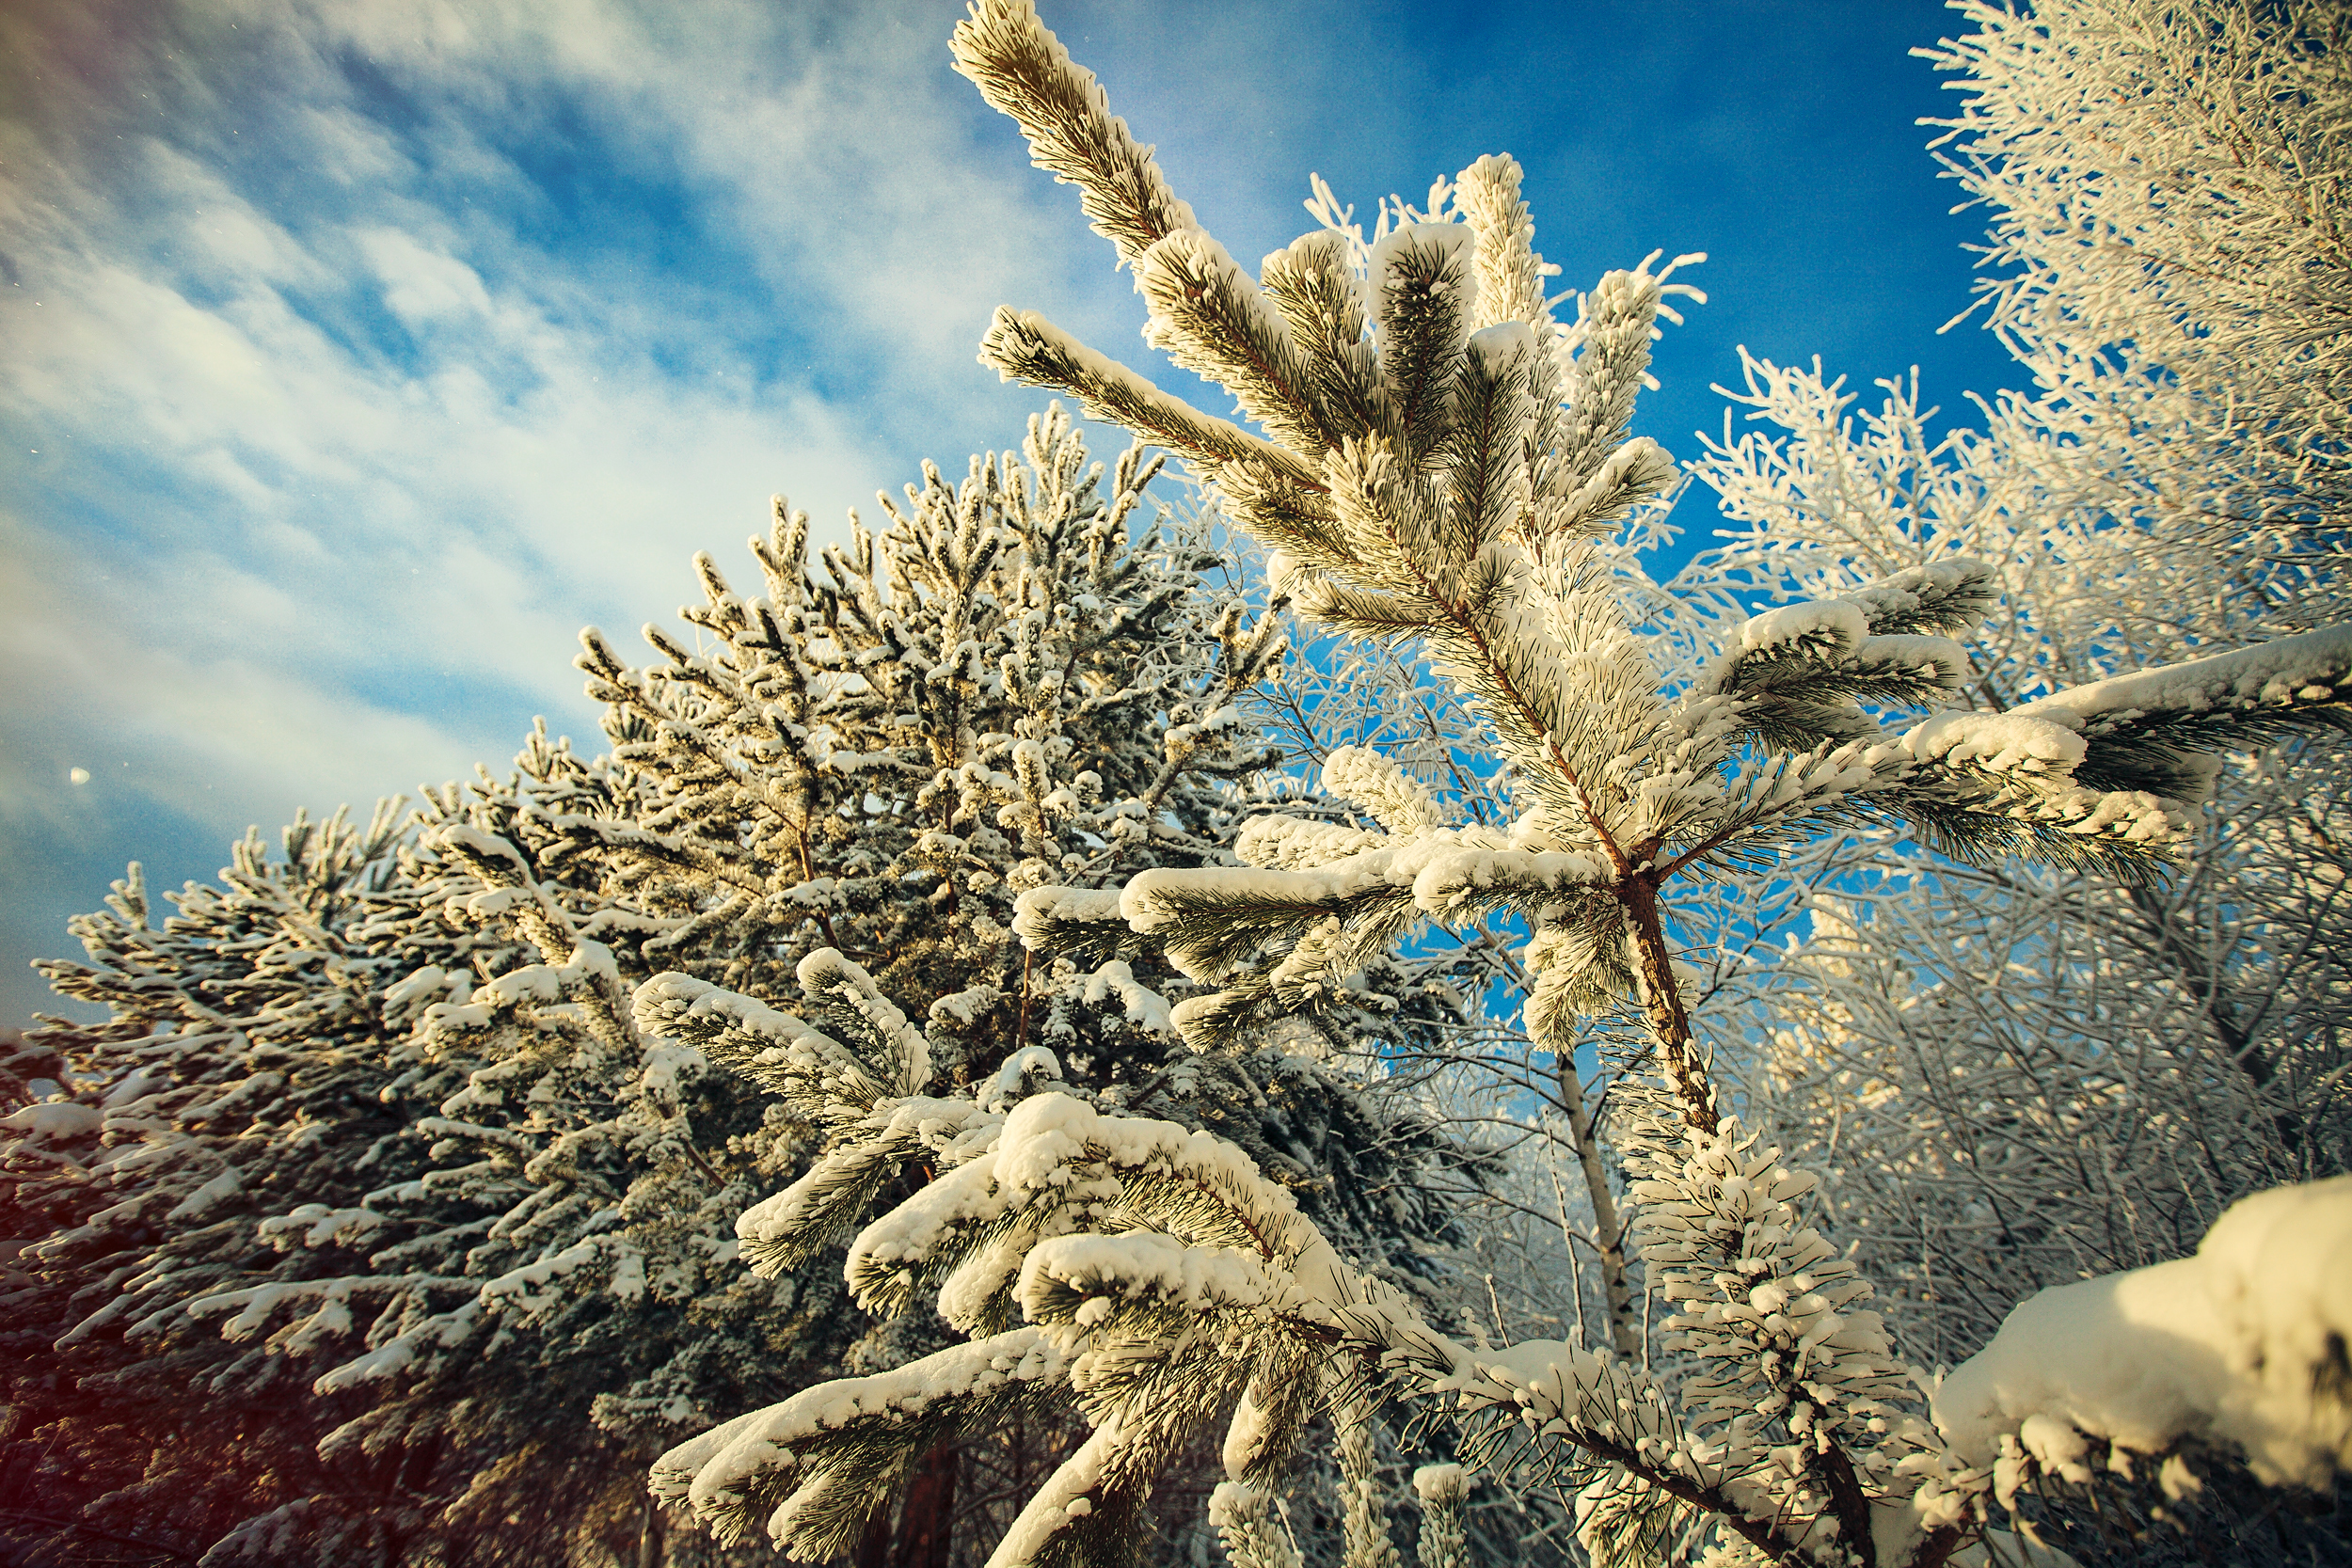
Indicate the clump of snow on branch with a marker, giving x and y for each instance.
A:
(2243, 1343)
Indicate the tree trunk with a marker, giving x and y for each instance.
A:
(925, 1523)
(1624, 1331)
(649, 1542)
(873, 1547)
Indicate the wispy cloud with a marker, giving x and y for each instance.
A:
(360, 353)
(362, 349)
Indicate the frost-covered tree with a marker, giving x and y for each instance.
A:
(2018, 1080)
(2021, 1079)
(2031, 1051)
(2167, 255)
(1439, 461)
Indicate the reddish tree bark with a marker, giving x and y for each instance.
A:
(926, 1520)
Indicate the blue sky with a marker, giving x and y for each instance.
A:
(361, 351)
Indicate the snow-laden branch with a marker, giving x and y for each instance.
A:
(2242, 1344)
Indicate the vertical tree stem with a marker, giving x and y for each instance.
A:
(1623, 1331)
(1661, 1002)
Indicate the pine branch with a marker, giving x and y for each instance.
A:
(1024, 72)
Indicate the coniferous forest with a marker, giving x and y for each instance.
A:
(1289, 995)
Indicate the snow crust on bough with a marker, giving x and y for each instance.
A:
(1037, 906)
(1145, 1008)
(2242, 1342)
(1136, 1264)
(1299, 843)
(703, 1470)
(1834, 621)
(1997, 742)
(1441, 1483)
(1439, 868)
(2307, 667)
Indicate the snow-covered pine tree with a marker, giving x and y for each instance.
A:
(264, 1101)
(1543, 1222)
(1012, 684)
(1032, 693)
(238, 1068)
(1439, 459)
(1009, 677)
(511, 1308)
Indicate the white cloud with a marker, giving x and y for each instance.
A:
(323, 494)
(202, 736)
(421, 285)
(350, 414)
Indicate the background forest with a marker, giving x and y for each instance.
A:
(1294, 993)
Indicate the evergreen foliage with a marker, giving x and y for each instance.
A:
(502, 1247)
(238, 1072)
(934, 1016)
